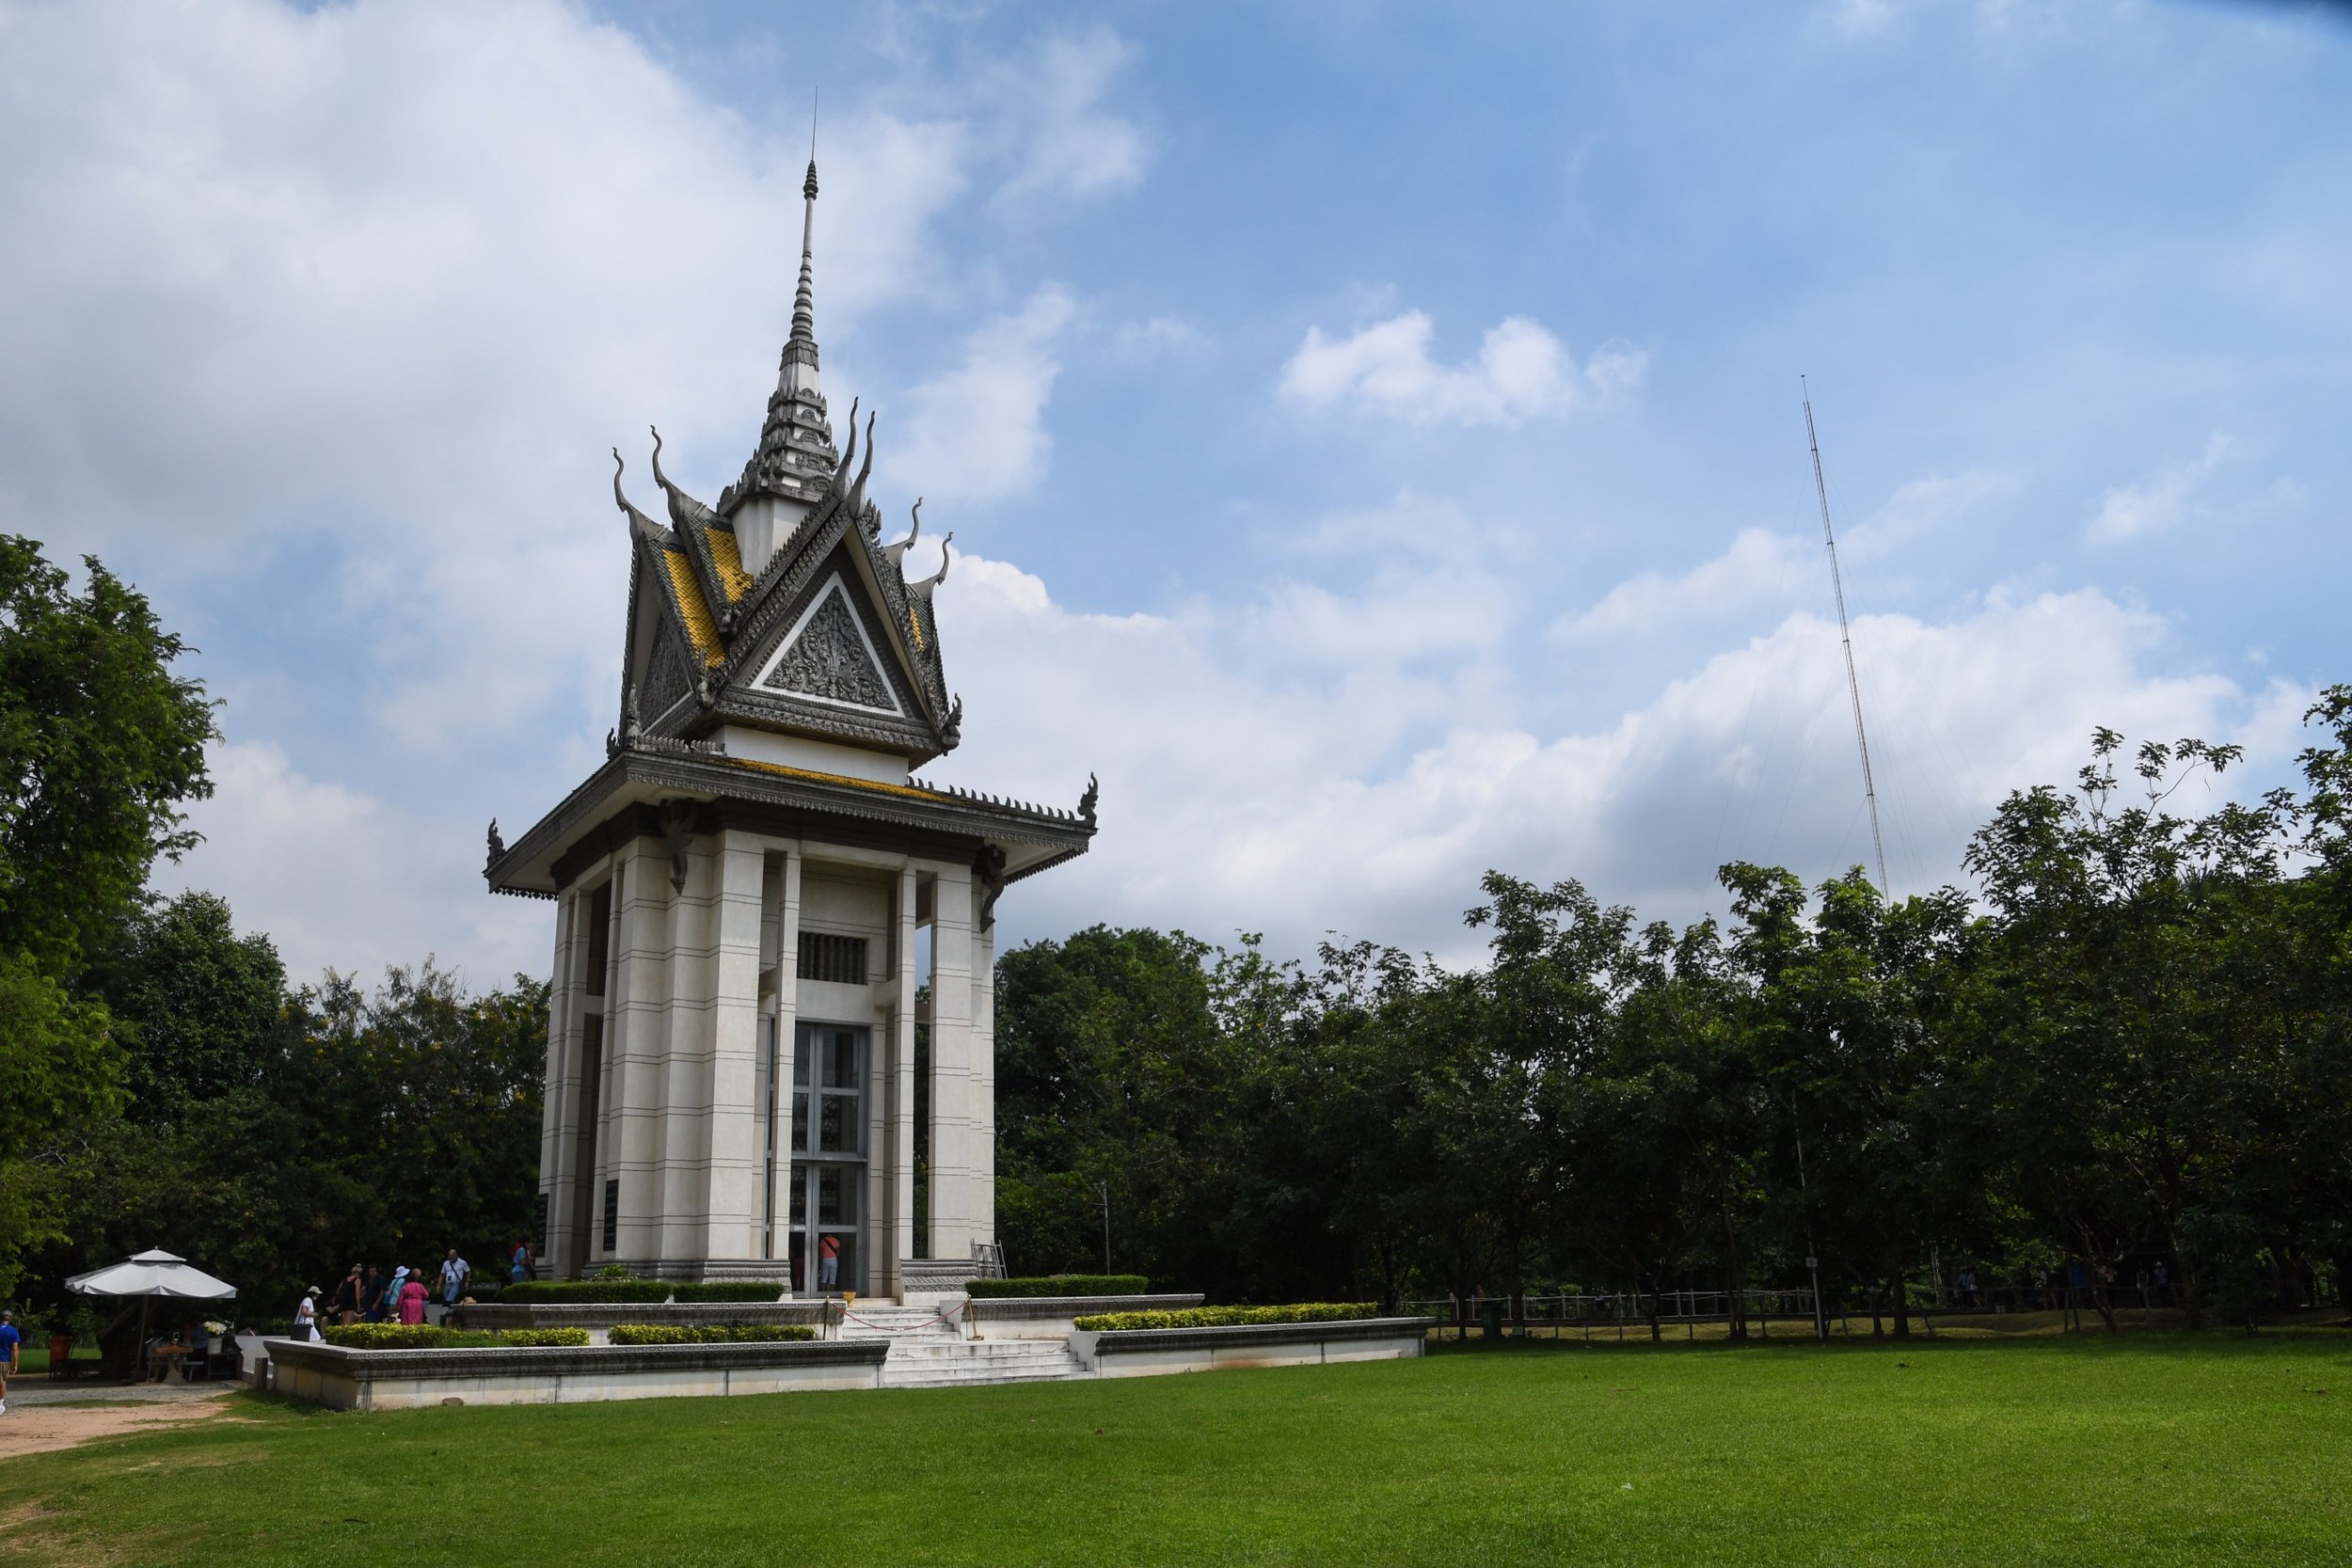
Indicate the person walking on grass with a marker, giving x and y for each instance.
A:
(456, 1274)
(391, 1293)
(413, 1297)
(371, 1295)
(518, 1266)
(12, 1340)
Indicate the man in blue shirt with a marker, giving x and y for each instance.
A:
(10, 1340)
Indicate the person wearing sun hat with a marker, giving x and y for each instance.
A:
(306, 1324)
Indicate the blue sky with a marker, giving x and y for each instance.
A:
(1375, 429)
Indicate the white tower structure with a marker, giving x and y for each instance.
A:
(749, 1076)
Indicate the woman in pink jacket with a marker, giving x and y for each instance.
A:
(412, 1301)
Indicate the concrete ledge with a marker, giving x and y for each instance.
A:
(1147, 1351)
(565, 1374)
(1051, 1317)
(596, 1317)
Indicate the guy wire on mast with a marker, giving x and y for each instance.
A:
(1845, 634)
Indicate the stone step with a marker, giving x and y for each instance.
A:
(913, 1378)
(977, 1383)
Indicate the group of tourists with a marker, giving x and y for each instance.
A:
(367, 1295)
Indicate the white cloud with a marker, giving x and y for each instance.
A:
(1759, 566)
(1861, 18)
(1245, 786)
(979, 429)
(1521, 371)
(2164, 500)
(1142, 343)
(340, 880)
(1068, 144)
(1762, 567)
(373, 286)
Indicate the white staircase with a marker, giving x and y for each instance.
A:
(927, 1354)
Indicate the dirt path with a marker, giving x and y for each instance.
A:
(27, 1428)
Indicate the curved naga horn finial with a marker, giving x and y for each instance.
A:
(923, 590)
(857, 491)
(623, 502)
(850, 455)
(895, 551)
(659, 477)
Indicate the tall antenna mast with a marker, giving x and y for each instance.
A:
(1845, 635)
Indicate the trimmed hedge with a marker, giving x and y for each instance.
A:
(589, 1292)
(750, 1290)
(1233, 1317)
(432, 1337)
(709, 1334)
(1060, 1285)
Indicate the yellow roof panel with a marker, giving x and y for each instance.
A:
(699, 625)
(728, 557)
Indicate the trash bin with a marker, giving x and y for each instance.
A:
(1490, 1319)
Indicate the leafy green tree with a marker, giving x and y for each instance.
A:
(202, 1002)
(99, 745)
(1849, 1003)
(2140, 1031)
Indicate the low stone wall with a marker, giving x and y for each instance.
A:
(1050, 1317)
(538, 1374)
(600, 1317)
(1147, 1352)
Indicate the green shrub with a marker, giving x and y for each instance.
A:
(1060, 1285)
(587, 1292)
(432, 1337)
(751, 1290)
(614, 1271)
(709, 1334)
(1233, 1317)
(406, 1336)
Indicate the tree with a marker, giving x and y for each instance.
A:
(99, 745)
(1850, 1012)
(2140, 1027)
(200, 1001)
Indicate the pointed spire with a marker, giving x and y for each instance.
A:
(796, 456)
(804, 338)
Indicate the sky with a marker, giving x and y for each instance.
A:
(1372, 433)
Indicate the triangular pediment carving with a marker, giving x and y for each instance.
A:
(828, 658)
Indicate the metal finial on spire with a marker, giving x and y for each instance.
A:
(804, 299)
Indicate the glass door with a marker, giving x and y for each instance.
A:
(827, 1230)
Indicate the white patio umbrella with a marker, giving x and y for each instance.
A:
(153, 1272)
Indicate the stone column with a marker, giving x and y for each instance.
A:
(636, 1040)
(952, 1174)
(901, 1240)
(787, 1023)
(731, 1193)
(682, 1191)
(983, 1058)
(558, 1112)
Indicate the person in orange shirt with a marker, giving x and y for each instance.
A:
(828, 1263)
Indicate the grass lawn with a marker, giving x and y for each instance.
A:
(2148, 1451)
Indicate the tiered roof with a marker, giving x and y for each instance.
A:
(825, 638)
